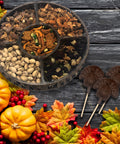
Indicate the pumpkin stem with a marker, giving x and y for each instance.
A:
(15, 126)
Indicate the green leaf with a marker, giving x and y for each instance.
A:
(66, 135)
(112, 120)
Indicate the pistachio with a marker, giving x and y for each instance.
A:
(19, 72)
(2, 64)
(37, 63)
(39, 75)
(10, 49)
(13, 69)
(34, 74)
(30, 78)
(38, 81)
(26, 60)
(24, 78)
(26, 66)
(14, 59)
(8, 58)
(30, 70)
(13, 74)
(5, 50)
(15, 47)
(5, 54)
(32, 61)
(18, 52)
(3, 59)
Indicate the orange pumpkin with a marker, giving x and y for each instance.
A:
(4, 94)
(17, 123)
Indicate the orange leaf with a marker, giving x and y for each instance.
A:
(30, 101)
(62, 114)
(42, 119)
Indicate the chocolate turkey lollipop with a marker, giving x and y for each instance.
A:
(90, 75)
(114, 73)
(105, 88)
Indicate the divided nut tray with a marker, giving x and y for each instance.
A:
(48, 71)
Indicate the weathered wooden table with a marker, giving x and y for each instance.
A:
(102, 18)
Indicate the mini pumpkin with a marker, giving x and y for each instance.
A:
(17, 123)
(4, 94)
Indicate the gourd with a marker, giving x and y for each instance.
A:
(17, 123)
(4, 94)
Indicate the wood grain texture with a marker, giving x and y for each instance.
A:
(95, 4)
(103, 25)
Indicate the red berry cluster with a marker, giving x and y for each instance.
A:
(1, 2)
(39, 138)
(17, 99)
(2, 139)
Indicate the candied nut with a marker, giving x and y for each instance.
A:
(26, 60)
(14, 59)
(34, 74)
(10, 49)
(32, 61)
(37, 63)
(53, 60)
(13, 69)
(73, 42)
(73, 62)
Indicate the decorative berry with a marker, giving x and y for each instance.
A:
(38, 135)
(1, 2)
(22, 92)
(34, 137)
(16, 99)
(23, 101)
(21, 96)
(42, 133)
(12, 104)
(1, 142)
(12, 99)
(35, 133)
(48, 137)
(45, 105)
(37, 140)
(18, 92)
(1, 136)
(43, 139)
(19, 103)
(75, 123)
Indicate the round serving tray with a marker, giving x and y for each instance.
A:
(65, 63)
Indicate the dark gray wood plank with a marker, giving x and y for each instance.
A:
(96, 4)
(103, 25)
(103, 55)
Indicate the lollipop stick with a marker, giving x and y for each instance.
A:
(88, 91)
(101, 107)
(92, 114)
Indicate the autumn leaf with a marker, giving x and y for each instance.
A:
(112, 120)
(110, 138)
(42, 119)
(2, 12)
(89, 135)
(61, 114)
(66, 135)
(30, 101)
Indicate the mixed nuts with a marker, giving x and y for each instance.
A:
(20, 67)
